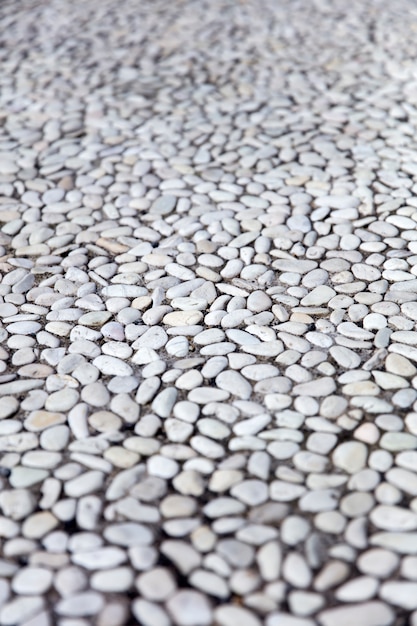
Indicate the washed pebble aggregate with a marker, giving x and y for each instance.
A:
(208, 343)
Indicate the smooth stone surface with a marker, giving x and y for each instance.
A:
(208, 285)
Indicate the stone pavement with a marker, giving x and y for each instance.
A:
(208, 300)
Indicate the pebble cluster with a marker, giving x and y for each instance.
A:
(208, 301)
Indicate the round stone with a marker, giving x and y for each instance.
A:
(32, 581)
(186, 604)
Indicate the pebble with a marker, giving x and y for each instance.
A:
(32, 581)
(187, 606)
(17, 503)
(304, 603)
(398, 542)
(296, 571)
(164, 402)
(378, 562)
(20, 610)
(203, 395)
(150, 613)
(357, 590)
(363, 614)
(318, 296)
(320, 387)
(82, 604)
(400, 593)
(183, 318)
(9, 406)
(350, 456)
(24, 328)
(234, 383)
(156, 584)
(228, 615)
(269, 559)
(251, 492)
(112, 366)
(101, 559)
(39, 524)
(62, 400)
(84, 484)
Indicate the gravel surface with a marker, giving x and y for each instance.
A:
(208, 301)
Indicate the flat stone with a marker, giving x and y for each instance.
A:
(128, 534)
(332, 574)
(393, 518)
(345, 357)
(241, 337)
(20, 610)
(407, 351)
(410, 310)
(188, 303)
(101, 559)
(357, 590)
(164, 205)
(318, 296)
(203, 395)
(18, 442)
(294, 265)
(24, 328)
(162, 467)
(389, 381)
(378, 562)
(82, 604)
(400, 593)
(39, 420)
(84, 484)
(62, 400)
(296, 571)
(350, 456)
(230, 615)
(183, 555)
(112, 366)
(38, 525)
(17, 387)
(258, 301)
(17, 504)
(209, 583)
(22, 477)
(95, 319)
(399, 365)
(396, 442)
(403, 543)
(8, 407)
(32, 581)
(164, 402)
(403, 479)
(117, 580)
(155, 337)
(315, 388)
(185, 604)
(183, 318)
(150, 613)
(234, 383)
(157, 584)
(268, 348)
(284, 491)
(269, 559)
(365, 614)
(251, 492)
(189, 380)
(123, 291)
